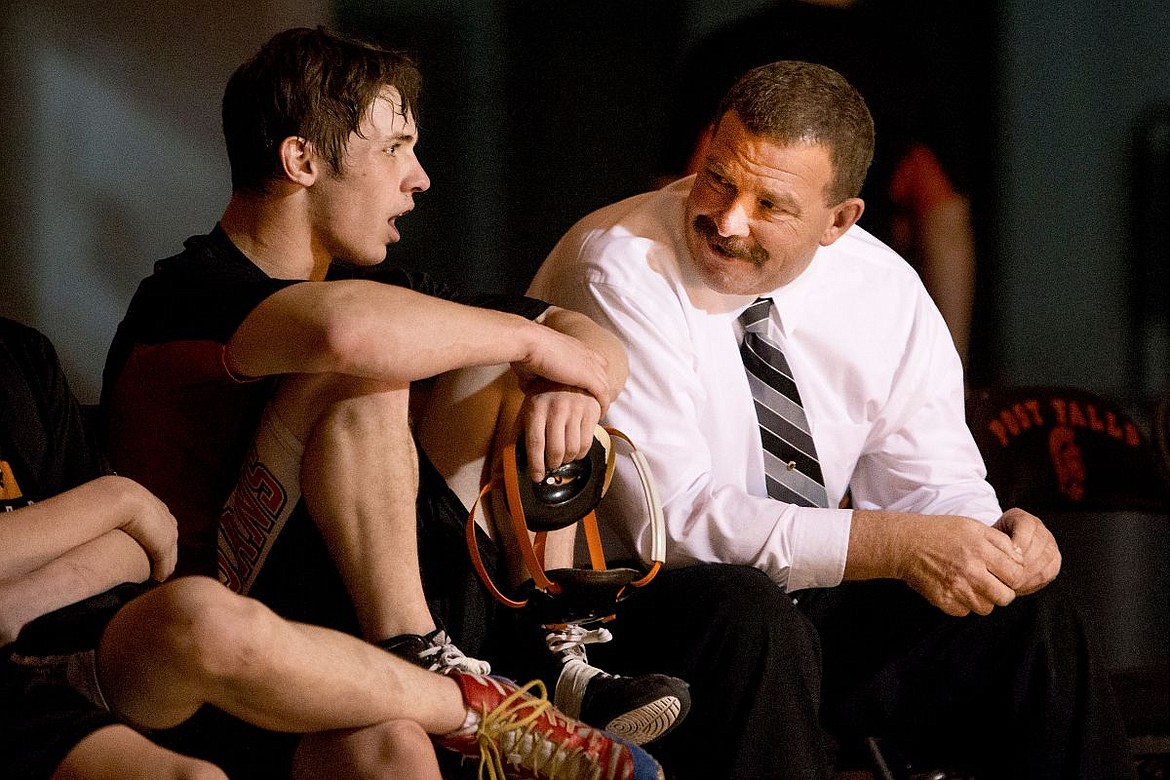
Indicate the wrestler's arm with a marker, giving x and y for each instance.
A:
(78, 544)
(395, 335)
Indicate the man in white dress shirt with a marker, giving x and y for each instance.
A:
(998, 674)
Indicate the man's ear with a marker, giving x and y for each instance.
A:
(299, 160)
(844, 216)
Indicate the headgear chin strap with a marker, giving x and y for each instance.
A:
(567, 495)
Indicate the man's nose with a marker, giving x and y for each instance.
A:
(732, 219)
(418, 181)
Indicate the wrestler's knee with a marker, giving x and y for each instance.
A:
(115, 752)
(306, 403)
(205, 628)
(397, 748)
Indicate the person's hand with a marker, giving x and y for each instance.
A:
(564, 360)
(1038, 547)
(558, 423)
(151, 524)
(959, 564)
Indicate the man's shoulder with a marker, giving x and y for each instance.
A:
(860, 258)
(25, 351)
(203, 292)
(606, 239)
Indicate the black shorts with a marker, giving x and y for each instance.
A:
(50, 698)
(43, 716)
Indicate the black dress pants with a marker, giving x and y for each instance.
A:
(1019, 693)
(1016, 694)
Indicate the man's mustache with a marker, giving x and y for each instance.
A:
(735, 247)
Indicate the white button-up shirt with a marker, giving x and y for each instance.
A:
(877, 372)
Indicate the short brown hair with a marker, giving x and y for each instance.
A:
(794, 102)
(311, 84)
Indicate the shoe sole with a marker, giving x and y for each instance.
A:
(648, 722)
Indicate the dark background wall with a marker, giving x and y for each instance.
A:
(534, 113)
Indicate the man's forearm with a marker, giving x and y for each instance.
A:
(33, 536)
(587, 331)
(84, 571)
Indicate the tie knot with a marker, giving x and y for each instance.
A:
(756, 314)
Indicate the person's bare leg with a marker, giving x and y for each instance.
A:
(482, 404)
(192, 642)
(345, 445)
(121, 753)
(396, 749)
(360, 480)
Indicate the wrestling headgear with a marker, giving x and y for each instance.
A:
(567, 495)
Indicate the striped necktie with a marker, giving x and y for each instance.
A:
(791, 470)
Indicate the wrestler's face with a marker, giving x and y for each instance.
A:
(354, 211)
(757, 211)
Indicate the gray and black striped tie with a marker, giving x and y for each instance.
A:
(791, 469)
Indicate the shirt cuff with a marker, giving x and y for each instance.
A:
(820, 544)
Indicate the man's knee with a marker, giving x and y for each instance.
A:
(396, 743)
(396, 748)
(310, 403)
(206, 629)
(749, 620)
(742, 597)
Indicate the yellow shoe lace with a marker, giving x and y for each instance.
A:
(509, 724)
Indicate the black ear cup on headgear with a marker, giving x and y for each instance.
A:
(566, 494)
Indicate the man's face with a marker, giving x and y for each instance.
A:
(354, 212)
(757, 212)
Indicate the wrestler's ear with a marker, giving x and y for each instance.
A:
(843, 216)
(299, 160)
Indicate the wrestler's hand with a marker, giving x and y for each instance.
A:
(564, 360)
(959, 564)
(558, 422)
(1037, 546)
(150, 524)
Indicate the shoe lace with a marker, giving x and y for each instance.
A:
(510, 731)
(443, 654)
(571, 640)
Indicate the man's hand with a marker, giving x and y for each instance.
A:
(565, 360)
(958, 564)
(558, 423)
(149, 523)
(1036, 545)
(961, 565)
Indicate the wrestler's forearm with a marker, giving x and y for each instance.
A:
(84, 571)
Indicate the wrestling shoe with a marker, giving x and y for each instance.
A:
(517, 735)
(639, 709)
(434, 652)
